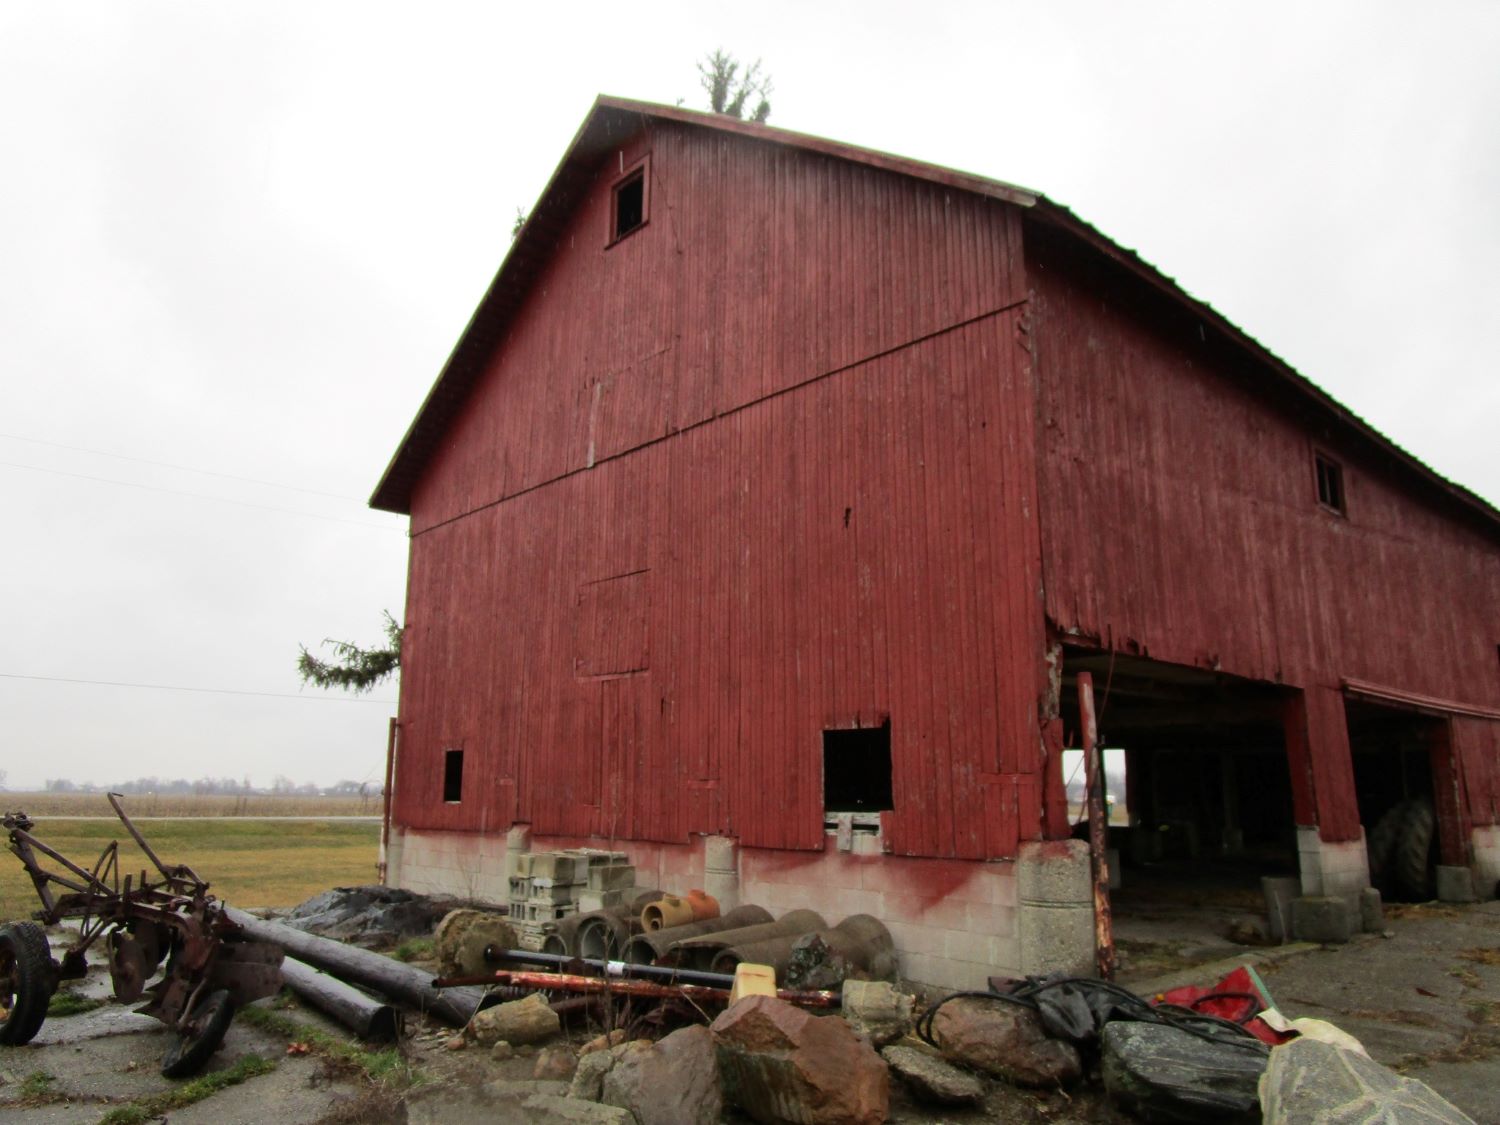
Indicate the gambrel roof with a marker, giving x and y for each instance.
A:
(612, 121)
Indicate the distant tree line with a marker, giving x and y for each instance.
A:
(204, 786)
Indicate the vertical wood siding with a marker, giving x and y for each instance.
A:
(763, 468)
(1180, 516)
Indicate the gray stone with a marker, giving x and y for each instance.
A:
(1455, 884)
(675, 1082)
(548, 1109)
(502, 1051)
(1279, 891)
(555, 1064)
(588, 1079)
(1311, 1081)
(1005, 1040)
(520, 1023)
(488, 1103)
(1160, 1073)
(1371, 911)
(1321, 918)
(876, 1010)
(931, 1079)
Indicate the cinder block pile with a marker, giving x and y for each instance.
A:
(546, 887)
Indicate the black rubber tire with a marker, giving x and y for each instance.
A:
(1412, 874)
(186, 1056)
(1381, 840)
(25, 981)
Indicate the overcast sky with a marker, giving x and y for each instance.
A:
(237, 242)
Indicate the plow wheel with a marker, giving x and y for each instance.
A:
(26, 981)
(199, 1036)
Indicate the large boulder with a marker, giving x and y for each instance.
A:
(931, 1079)
(1003, 1039)
(1162, 1073)
(675, 1082)
(518, 1022)
(782, 1064)
(1315, 1082)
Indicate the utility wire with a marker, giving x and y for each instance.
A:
(181, 468)
(202, 690)
(197, 496)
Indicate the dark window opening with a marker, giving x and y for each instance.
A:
(453, 776)
(1330, 483)
(857, 770)
(630, 204)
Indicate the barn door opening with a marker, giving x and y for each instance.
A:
(1407, 788)
(1201, 807)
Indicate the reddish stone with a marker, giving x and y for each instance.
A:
(782, 1064)
(1005, 1040)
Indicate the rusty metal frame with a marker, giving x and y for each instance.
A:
(148, 921)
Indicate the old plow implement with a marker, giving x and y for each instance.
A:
(165, 923)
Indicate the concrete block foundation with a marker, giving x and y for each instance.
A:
(1455, 884)
(1485, 841)
(1057, 908)
(1324, 918)
(1332, 870)
(955, 922)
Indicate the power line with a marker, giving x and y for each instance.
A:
(196, 496)
(181, 468)
(202, 690)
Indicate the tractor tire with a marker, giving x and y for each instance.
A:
(26, 982)
(1412, 859)
(201, 1038)
(1381, 841)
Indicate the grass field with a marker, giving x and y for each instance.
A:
(247, 862)
(189, 804)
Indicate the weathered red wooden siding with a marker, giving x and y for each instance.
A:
(762, 468)
(1180, 514)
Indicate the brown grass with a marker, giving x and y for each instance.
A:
(246, 862)
(1483, 956)
(38, 805)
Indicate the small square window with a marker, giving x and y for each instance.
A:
(1330, 482)
(453, 776)
(857, 770)
(630, 202)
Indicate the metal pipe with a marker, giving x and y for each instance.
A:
(567, 982)
(666, 973)
(367, 1018)
(373, 970)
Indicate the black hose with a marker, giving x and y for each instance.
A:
(1202, 1025)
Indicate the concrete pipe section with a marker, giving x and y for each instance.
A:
(649, 948)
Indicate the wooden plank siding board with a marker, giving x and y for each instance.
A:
(759, 469)
(1180, 514)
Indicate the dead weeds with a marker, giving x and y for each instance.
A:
(1405, 911)
(1482, 955)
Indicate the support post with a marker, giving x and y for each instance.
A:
(382, 863)
(1104, 942)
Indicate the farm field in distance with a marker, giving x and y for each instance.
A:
(250, 859)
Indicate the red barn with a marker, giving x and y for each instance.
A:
(778, 490)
